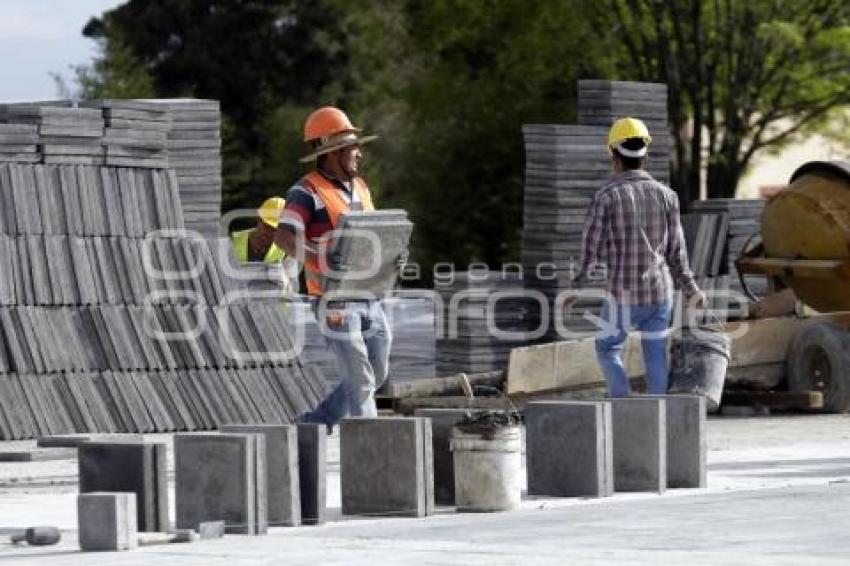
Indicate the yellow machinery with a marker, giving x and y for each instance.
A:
(805, 245)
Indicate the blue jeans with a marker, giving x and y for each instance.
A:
(361, 346)
(653, 322)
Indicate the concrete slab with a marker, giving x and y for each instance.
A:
(569, 449)
(640, 444)
(442, 422)
(107, 521)
(312, 472)
(221, 477)
(284, 492)
(386, 466)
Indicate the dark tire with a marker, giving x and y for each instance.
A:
(819, 360)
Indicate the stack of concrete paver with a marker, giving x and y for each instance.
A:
(182, 134)
(194, 153)
(67, 135)
(412, 324)
(565, 165)
(19, 143)
(107, 326)
(744, 223)
(480, 327)
(135, 132)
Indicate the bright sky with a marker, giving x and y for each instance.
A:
(38, 37)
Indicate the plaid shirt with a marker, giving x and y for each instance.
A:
(633, 227)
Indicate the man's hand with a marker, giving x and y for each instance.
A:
(569, 301)
(698, 299)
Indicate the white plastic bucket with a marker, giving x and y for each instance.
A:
(488, 469)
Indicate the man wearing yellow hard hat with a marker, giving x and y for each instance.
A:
(257, 244)
(634, 221)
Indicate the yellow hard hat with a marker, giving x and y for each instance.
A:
(270, 210)
(628, 128)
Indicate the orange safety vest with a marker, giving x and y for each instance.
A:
(336, 205)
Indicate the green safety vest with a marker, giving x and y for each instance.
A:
(240, 248)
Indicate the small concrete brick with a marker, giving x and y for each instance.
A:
(386, 466)
(282, 483)
(442, 422)
(640, 444)
(569, 450)
(221, 477)
(107, 521)
(312, 472)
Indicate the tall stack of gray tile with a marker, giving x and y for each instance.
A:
(108, 326)
(479, 328)
(194, 153)
(565, 165)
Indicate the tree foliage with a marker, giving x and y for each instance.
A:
(448, 84)
(743, 76)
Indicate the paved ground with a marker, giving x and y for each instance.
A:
(779, 493)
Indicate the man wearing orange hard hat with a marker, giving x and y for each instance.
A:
(356, 330)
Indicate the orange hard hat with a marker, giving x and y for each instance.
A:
(325, 122)
(328, 129)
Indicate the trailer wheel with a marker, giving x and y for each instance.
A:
(819, 360)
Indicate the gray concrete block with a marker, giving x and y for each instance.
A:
(686, 440)
(133, 467)
(221, 477)
(386, 466)
(569, 451)
(442, 422)
(312, 472)
(107, 521)
(284, 493)
(640, 444)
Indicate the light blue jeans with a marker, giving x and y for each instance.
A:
(361, 346)
(653, 322)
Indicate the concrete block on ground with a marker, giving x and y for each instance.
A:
(386, 466)
(312, 472)
(569, 448)
(107, 521)
(282, 484)
(640, 443)
(221, 477)
(442, 422)
(133, 467)
(686, 440)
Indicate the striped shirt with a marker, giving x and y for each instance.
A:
(633, 226)
(305, 209)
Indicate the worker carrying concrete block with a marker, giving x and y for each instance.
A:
(633, 226)
(356, 331)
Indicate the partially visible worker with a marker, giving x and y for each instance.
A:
(634, 224)
(356, 331)
(257, 243)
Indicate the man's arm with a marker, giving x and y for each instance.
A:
(677, 251)
(595, 224)
(296, 216)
